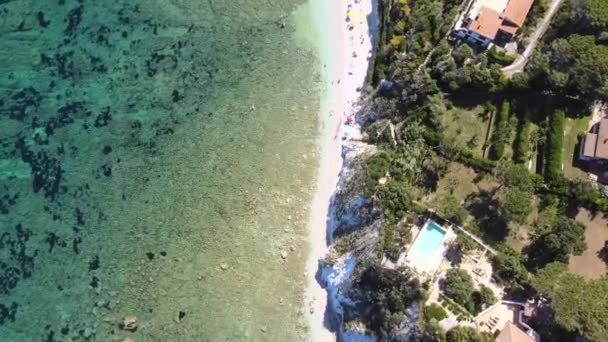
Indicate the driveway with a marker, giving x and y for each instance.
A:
(521, 60)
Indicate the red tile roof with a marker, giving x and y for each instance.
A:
(512, 333)
(486, 23)
(517, 11)
(589, 147)
(601, 147)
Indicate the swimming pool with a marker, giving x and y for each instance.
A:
(429, 239)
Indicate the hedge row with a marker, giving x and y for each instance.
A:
(554, 147)
(500, 136)
(522, 142)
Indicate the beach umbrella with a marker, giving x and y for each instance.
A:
(349, 14)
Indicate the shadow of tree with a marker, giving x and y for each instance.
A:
(454, 255)
(484, 208)
(603, 253)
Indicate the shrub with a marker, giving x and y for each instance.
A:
(387, 293)
(458, 286)
(554, 147)
(435, 312)
(500, 136)
(499, 57)
(522, 142)
(387, 243)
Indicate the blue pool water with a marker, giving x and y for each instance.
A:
(429, 238)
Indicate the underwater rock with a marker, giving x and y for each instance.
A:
(66, 115)
(103, 118)
(41, 21)
(23, 103)
(73, 20)
(7, 201)
(129, 323)
(98, 65)
(94, 263)
(7, 313)
(40, 137)
(17, 262)
(54, 240)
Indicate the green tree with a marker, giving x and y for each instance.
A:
(508, 267)
(466, 334)
(565, 238)
(515, 205)
(434, 312)
(580, 306)
(515, 176)
(458, 286)
(387, 294)
(462, 53)
(451, 209)
(487, 295)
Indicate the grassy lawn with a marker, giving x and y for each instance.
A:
(572, 129)
(465, 127)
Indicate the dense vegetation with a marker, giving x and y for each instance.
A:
(555, 146)
(414, 100)
(574, 59)
(500, 137)
(387, 294)
(459, 287)
(580, 306)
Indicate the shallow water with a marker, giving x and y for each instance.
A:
(156, 157)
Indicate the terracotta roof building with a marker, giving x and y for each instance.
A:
(516, 11)
(487, 19)
(595, 144)
(512, 333)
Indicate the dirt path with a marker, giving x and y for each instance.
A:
(521, 60)
(590, 264)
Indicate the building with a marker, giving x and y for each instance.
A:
(594, 146)
(513, 333)
(493, 21)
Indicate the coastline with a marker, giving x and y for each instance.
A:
(343, 74)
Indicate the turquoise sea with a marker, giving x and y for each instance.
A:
(156, 160)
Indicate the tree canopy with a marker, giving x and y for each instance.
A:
(387, 295)
(580, 306)
(565, 237)
(458, 285)
(466, 334)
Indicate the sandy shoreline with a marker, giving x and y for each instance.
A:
(345, 68)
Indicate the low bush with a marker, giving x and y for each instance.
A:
(522, 142)
(435, 312)
(554, 147)
(500, 135)
(499, 57)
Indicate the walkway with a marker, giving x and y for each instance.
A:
(522, 60)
